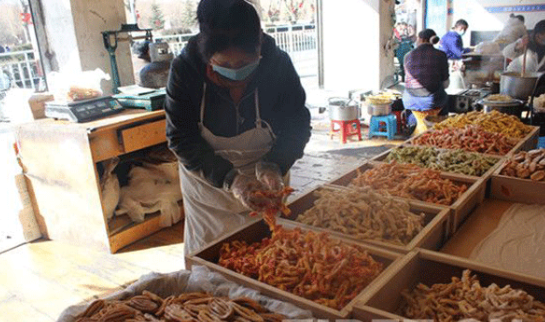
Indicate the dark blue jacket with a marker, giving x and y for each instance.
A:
(452, 45)
(282, 105)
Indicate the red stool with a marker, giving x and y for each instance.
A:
(346, 129)
(400, 120)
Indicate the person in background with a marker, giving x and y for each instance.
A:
(236, 119)
(452, 43)
(453, 46)
(514, 29)
(141, 58)
(427, 76)
(535, 56)
(405, 45)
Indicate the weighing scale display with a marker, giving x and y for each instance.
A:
(83, 111)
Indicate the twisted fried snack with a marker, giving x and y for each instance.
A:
(457, 161)
(465, 298)
(495, 122)
(182, 308)
(365, 214)
(273, 208)
(411, 181)
(471, 138)
(309, 265)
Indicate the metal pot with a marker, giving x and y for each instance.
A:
(518, 86)
(513, 107)
(343, 109)
(377, 110)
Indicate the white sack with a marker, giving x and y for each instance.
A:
(200, 279)
(109, 184)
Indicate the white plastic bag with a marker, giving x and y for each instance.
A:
(76, 86)
(110, 187)
(152, 188)
(200, 279)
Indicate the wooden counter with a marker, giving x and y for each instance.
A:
(60, 160)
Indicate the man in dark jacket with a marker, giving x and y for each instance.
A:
(236, 119)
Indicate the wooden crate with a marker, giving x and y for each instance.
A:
(516, 189)
(429, 268)
(433, 236)
(460, 209)
(382, 157)
(527, 143)
(255, 232)
(60, 160)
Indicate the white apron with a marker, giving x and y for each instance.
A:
(211, 212)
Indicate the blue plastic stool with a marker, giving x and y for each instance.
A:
(385, 125)
(541, 142)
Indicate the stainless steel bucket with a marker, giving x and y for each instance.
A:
(517, 86)
(379, 109)
(343, 109)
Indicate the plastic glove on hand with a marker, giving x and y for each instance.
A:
(270, 175)
(245, 189)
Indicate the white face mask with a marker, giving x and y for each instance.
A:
(461, 32)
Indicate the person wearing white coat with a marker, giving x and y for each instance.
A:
(535, 55)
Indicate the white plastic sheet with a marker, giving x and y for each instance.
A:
(200, 279)
(151, 188)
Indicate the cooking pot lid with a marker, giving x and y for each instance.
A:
(512, 102)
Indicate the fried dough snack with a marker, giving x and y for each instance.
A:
(271, 209)
(182, 308)
(309, 265)
(471, 139)
(457, 161)
(410, 181)
(465, 298)
(526, 165)
(495, 122)
(364, 214)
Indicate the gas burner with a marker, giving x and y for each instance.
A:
(465, 101)
(473, 92)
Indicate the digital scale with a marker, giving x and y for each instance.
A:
(83, 111)
(151, 101)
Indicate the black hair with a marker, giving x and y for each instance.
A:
(533, 45)
(519, 17)
(141, 49)
(227, 23)
(429, 35)
(461, 22)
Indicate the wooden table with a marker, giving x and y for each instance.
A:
(60, 161)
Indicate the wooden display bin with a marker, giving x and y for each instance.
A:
(433, 236)
(485, 176)
(529, 142)
(429, 268)
(460, 209)
(516, 189)
(255, 232)
(60, 163)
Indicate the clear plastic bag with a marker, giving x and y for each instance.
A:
(77, 86)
